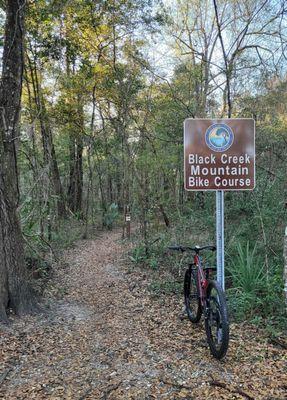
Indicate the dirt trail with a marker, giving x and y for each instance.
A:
(107, 338)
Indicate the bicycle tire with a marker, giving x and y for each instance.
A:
(216, 317)
(191, 292)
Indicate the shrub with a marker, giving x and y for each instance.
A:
(111, 216)
(254, 291)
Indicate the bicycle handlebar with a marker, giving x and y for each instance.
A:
(197, 249)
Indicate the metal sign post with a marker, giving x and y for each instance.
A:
(220, 237)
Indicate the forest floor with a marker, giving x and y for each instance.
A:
(105, 336)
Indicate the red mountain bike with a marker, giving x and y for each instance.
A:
(205, 296)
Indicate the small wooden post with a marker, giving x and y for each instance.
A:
(128, 221)
(49, 228)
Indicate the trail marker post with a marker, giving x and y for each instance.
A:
(128, 221)
(219, 155)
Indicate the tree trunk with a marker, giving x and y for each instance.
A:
(51, 161)
(89, 191)
(164, 215)
(14, 288)
(75, 188)
(49, 154)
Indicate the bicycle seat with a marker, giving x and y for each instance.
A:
(197, 249)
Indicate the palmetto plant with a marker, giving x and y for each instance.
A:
(247, 270)
(248, 281)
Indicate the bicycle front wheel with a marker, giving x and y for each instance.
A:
(216, 320)
(191, 296)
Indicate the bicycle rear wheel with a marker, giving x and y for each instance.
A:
(216, 320)
(191, 296)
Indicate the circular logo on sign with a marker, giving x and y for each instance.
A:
(219, 137)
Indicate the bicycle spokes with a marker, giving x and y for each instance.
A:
(216, 320)
(191, 296)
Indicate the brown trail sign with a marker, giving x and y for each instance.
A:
(219, 154)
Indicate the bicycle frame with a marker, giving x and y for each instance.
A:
(206, 299)
(202, 278)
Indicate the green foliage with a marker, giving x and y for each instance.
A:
(111, 215)
(97, 88)
(66, 233)
(138, 254)
(256, 293)
(247, 270)
(38, 267)
(153, 263)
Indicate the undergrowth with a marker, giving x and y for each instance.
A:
(42, 249)
(254, 283)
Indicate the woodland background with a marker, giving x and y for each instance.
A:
(106, 87)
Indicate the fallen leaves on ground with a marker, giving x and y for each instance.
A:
(108, 338)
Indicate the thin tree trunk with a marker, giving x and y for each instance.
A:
(90, 183)
(75, 188)
(49, 153)
(14, 288)
(164, 215)
(228, 66)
